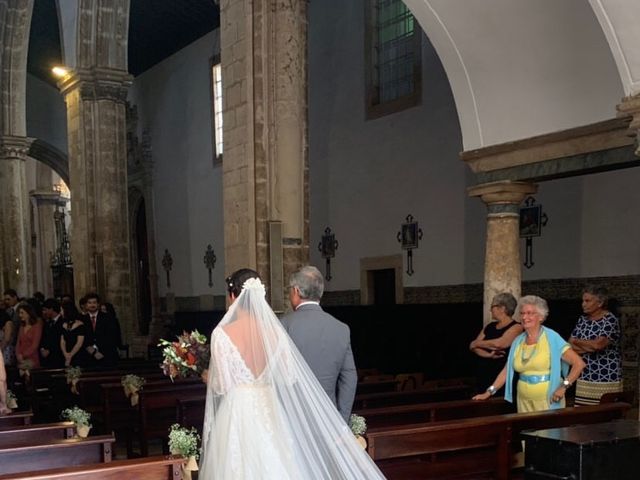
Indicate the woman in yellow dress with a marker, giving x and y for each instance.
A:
(545, 363)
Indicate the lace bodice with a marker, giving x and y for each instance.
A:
(230, 368)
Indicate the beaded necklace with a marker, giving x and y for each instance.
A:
(526, 359)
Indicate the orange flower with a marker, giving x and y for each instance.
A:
(191, 358)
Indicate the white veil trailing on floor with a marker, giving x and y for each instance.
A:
(267, 417)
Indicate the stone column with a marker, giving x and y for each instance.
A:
(14, 214)
(265, 180)
(45, 202)
(95, 101)
(502, 265)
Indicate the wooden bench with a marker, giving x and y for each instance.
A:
(148, 468)
(16, 418)
(190, 411)
(472, 446)
(56, 453)
(432, 412)
(39, 433)
(158, 411)
(387, 399)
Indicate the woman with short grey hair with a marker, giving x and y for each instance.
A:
(545, 364)
(494, 340)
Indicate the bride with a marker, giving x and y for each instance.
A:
(267, 417)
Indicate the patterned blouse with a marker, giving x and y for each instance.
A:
(603, 365)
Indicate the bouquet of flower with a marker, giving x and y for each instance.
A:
(183, 441)
(187, 357)
(132, 385)
(73, 375)
(358, 427)
(12, 401)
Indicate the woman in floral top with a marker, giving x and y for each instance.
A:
(596, 337)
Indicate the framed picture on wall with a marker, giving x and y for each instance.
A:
(409, 235)
(530, 221)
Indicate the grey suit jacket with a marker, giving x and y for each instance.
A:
(325, 344)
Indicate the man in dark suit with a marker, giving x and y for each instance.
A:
(50, 352)
(324, 342)
(104, 331)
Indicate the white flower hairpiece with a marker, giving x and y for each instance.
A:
(254, 284)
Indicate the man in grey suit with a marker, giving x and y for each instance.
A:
(325, 342)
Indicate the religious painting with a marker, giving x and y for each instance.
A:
(530, 221)
(409, 235)
(328, 244)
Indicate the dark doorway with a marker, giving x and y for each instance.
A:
(384, 286)
(142, 269)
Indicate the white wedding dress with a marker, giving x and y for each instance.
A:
(267, 417)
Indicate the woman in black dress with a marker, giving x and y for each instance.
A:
(73, 337)
(493, 342)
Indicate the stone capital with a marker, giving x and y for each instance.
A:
(503, 193)
(46, 197)
(630, 106)
(97, 84)
(14, 148)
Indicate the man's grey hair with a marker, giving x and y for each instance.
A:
(309, 282)
(539, 303)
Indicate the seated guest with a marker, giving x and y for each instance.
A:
(546, 365)
(104, 332)
(7, 334)
(50, 353)
(73, 337)
(493, 342)
(596, 337)
(29, 336)
(3, 389)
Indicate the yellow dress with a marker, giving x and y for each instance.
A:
(534, 360)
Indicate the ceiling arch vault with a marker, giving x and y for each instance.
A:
(523, 68)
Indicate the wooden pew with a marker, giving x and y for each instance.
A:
(158, 410)
(56, 453)
(376, 386)
(432, 412)
(147, 468)
(190, 411)
(16, 418)
(387, 399)
(408, 451)
(39, 433)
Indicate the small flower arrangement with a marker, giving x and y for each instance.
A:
(12, 401)
(184, 441)
(24, 368)
(357, 424)
(73, 375)
(77, 415)
(132, 384)
(187, 357)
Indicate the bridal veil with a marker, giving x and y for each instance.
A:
(267, 417)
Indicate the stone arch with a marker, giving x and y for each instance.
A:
(525, 74)
(52, 157)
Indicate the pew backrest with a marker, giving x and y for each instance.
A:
(165, 467)
(38, 433)
(56, 453)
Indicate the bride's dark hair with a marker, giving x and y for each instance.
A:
(236, 280)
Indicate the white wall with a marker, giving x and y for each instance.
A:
(174, 105)
(367, 176)
(593, 227)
